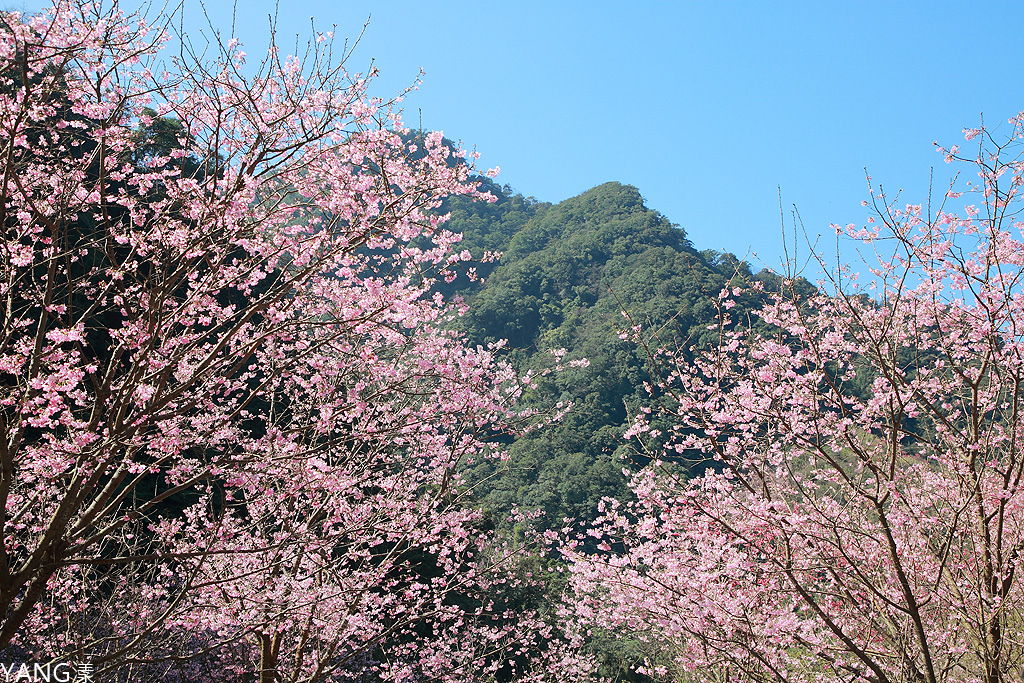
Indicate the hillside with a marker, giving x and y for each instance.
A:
(568, 273)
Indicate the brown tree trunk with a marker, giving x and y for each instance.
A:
(270, 650)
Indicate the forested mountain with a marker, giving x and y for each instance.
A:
(569, 274)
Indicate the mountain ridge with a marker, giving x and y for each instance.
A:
(568, 274)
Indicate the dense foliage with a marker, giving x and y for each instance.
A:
(573, 276)
(232, 412)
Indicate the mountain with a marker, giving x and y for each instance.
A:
(569, 275)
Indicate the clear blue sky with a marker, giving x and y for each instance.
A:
(708, 108)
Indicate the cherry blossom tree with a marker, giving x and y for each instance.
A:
(231, 416)
(859, 511)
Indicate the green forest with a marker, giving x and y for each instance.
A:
(573, 275)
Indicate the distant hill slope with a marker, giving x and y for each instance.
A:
(568, 272)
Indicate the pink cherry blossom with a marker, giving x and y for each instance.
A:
(856, 505)
(232, 416)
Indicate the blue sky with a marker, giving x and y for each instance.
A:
(708, 108)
